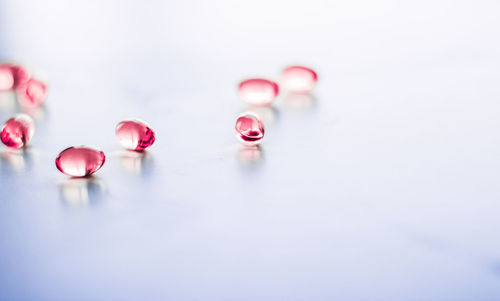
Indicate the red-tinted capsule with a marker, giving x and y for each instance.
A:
(81, 161)
(32, 93)
(17, 131)
(6, 78)
(249, 129)
(298, 79)
(258, 91)
(12, 76)
(135, 134)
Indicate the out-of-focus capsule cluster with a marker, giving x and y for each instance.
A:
(261, 92)
(18, 130)
(30, 91)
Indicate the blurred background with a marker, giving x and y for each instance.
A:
(380, 185)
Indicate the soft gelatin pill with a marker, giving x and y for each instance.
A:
(298, 79)
(21, 75)
(32, 93)
(258, 91)
(135, 134)
(249, 129)
(17, 131)
(6, 78)
(12, 76)
(81, 161)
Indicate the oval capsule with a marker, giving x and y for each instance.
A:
(12, 76)
(32, 93)
(249, 129)
(17, 131)
(81, 161)
(135, 134)
(258, 91)
(298, 79)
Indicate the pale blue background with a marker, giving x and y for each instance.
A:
(383, 186)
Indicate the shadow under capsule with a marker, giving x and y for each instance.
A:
(138, 163)
(39, 114)
(8, 103)
(268, 114)
(250, 156)
(300, 101)
(9, 106)
(17, 160)
(81, 191)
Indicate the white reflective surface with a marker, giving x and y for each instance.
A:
(382, 185)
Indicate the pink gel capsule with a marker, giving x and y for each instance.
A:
(6, 78)
(258, 91)
(32, 93)
(17, 131)
(249, 129)
(298, 79)
(135, 134)
(81, 161)
(21, 75)
(12, 76)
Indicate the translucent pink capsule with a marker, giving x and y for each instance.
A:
(81, 161)
(298, 79)
(258, 91)
(6, 78)
(21, 75)
(32, 93)
(135, 134)
(249, 129)
(12, 76)
(17, 131)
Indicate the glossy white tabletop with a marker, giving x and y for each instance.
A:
(382, 185)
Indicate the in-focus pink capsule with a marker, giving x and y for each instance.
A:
(258, 91)
(249, 129)
(81, 161)
(17, 131)
(298, 79)
(32, 93)
(135, 134)
(12, 76)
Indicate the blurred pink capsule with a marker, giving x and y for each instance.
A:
(21, 75)
(249, 129)
(32, 93)
(81, 161)
(12, 76)
(298, 79)
(258, 91)
(6, 78)
(17, 131)
(135, 134)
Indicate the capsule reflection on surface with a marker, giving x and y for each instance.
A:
(81, 191)
(138, 163)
